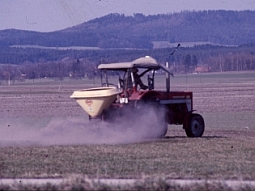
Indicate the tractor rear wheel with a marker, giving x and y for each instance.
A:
(196, 126)
(157, 120)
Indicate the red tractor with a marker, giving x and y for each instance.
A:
(130, 97)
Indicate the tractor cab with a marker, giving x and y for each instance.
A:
(129, 82)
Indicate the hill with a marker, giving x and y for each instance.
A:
(139, 31)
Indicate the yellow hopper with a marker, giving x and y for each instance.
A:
(95, 100)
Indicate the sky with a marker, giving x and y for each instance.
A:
(52, 15)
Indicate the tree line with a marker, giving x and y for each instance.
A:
(80, 64)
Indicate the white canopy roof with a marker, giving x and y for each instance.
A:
(143, 62)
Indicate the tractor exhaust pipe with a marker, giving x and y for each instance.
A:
(175, 49)
(167, 74)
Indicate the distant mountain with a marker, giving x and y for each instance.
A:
(139, 31)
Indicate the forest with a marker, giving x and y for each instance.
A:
(228, 44)
(79, 64)
(139, 31)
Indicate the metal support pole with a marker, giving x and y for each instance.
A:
(133, 82)
(106, 78)
(167, 80)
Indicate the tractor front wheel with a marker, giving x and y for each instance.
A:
(195, 126)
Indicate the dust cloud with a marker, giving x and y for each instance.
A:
(76, 131)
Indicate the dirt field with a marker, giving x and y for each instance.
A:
(42, 112)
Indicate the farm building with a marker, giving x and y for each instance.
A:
(201, 69)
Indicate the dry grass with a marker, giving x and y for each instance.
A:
(226, 151)
(213, 156)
